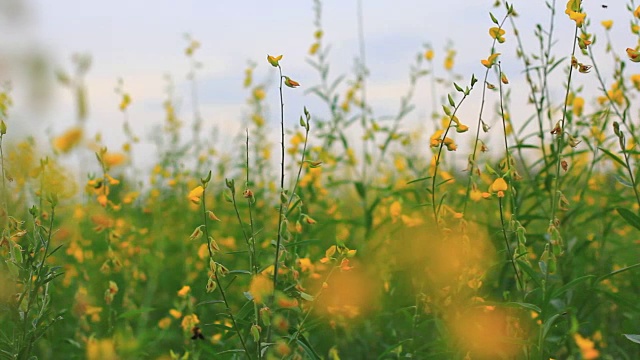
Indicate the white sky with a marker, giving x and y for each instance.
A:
(140, 41)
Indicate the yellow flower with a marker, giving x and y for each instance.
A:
(462, 128)
(448, 61)
(126, 101)
(314, 48)
(587, 347)
(101, 349)
(607, 24)
(435, 138)
(273, 60)
(290, 82)
(634, 55)
(635, 79)
(578, 17)
(184, 291)
(475, 195)
(164, 322)
(102, 200)
(297, 139)
(497, 33)
(305, 264)
(573, 5)
(113, 159)
(578, 105)
(395, 210)
(636, 12)
(67, 141)
(450, 144)
(175, 313)
(195, 194)
(259, 93)
(260, 288)
(488, 62)
(189, 321)
(428, 55)
(499, 184)
(257, 119)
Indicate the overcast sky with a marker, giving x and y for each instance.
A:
(140, 41)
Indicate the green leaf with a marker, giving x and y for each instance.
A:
(306, 296)
(623, 181)
(617, 272)
(13, 268)
(529, 270)
(304, 343)
(132, 313)
(419, 179)
(210, 302)
(548, 324)
(451, 102)
(633, 337)
(392, 349)
(489, 169)
(514, 304)
(493, 18)
(240, 272)
(571, 284)
(613, 156)
(360, 189)
(630, 217)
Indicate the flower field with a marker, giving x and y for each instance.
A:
(513, 233)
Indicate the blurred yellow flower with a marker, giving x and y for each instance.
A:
(101, 350)
(164, 323)
(125, 102)
(189, 321)
(184, 291)
(102, 200)
(607, 24)
(395, 210)
(587, 347)
(314, 48)
(114, 159)
(578, 105)
(259, 93)
(635, 79)
(67, 141)
(260, 288)
(428, 55)
(175, 313)
(448, 61)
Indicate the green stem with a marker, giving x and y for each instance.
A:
(276, 264)
(217, 279)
